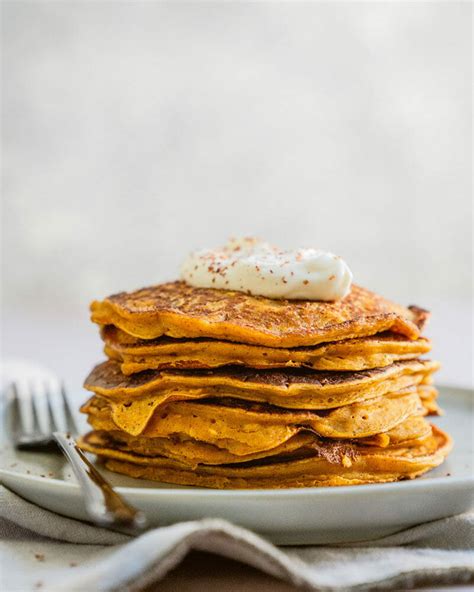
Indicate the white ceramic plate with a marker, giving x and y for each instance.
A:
(291, 516)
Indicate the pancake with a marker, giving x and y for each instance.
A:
(253, 426)
(292, 388)
(429, 395)
(179, 310)
(192, 452)
(307, 468)
(188, 452)
(222, 389)
(137, 355)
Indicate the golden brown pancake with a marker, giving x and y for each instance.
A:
(377, 351)
(290, 388)
(222, 389)
(303, 468)
(192, 452)
(428, 395)
(178, 310)
(248, 426)
(189, 452)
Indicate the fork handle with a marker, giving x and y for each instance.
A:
(104, 505)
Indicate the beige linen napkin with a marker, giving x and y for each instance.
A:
(43, 551)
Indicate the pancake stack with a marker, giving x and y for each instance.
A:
(222, 389)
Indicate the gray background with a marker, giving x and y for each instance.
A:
(137, 131)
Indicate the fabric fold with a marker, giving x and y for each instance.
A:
(433, 553)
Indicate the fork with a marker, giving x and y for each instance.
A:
(32, 430)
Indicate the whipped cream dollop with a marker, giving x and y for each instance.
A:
(255, 267)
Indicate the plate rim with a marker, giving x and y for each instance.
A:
(439, 482)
